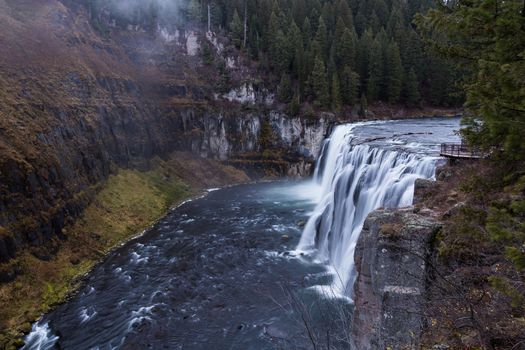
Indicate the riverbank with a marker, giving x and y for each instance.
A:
(124, 205)
(476, 287)
(460, 286)
(385, 111)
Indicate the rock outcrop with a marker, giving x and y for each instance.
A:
(391, 257)
(80, 102)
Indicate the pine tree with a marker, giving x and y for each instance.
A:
(336, 93)
(271, 33)
(394, 73)
(363, 106)
(285, 89)
(374, 23)
(224, 82)
(412, 89)
(319, 83)
(345, 13)
(349, 86)
(194, 10)
(207, 54)
(363, 56)
(328, 16)
(307, 31)
(347, 51)
(360, 21)
(375, 71)
(489, 38)
(282, 54)
(321, 37)
(237, 29)
(296, 47)
(412, 54)
(299, 11)
(294, 107)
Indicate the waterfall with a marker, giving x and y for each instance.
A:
(355, 180)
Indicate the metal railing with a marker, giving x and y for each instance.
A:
(460, 150)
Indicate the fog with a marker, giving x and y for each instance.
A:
(130, 7)
(164, 11)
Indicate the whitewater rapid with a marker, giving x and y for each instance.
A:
(353, 179)
(216, 272)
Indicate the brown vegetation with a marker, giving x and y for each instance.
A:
(476, 290)
(125, 204)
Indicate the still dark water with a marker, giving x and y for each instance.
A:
(215, 273)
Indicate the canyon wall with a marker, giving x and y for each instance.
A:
(391, 257)
(76, 105)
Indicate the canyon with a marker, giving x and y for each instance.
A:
(85, 115)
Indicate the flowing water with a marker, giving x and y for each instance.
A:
(236, 270)
(363, 167)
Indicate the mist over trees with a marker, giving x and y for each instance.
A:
(335, 52)
(332, 53)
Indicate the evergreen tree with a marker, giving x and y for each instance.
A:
(363, 56)
(360, 21)
(374, 23)
(299, 11)
(412, 89)
(207, 54)
(224, 82)
(322, 37)
(347, 51)
(282, 54)
(296, 47)
(271, 33)
(363, 106)
(319, 83)
(285, 89)
(412, 54)
(339, 31)
(294, 107)
(194, 10)
(345, 13)
(375, 71)
(307, 31)
(237, 29)
(394, 73)
(349, 86)
(367, 39)
(336, 93)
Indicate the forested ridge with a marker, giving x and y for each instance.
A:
(332, 54)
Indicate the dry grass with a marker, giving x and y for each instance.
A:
(127, 202)
(466, 310)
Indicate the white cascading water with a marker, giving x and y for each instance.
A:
(355, 180)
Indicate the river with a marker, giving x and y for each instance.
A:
(242, 267)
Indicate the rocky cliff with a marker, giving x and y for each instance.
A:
(391, 258)
(78, 104)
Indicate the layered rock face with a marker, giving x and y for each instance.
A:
(391, 257)
(224, 135)
(75, 105)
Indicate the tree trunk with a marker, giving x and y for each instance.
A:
(209, 18)
(245, 22)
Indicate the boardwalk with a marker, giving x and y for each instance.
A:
(460, 151)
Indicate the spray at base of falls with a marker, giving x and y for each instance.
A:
(354, 181)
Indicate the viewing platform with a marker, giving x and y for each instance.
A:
(460, 151)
